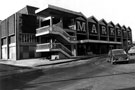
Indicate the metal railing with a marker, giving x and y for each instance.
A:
(61, 46)
(60, 30)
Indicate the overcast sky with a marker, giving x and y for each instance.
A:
(118, 11)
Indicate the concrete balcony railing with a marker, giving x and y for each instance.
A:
(52, 47)
(43, 46)
(42, 30)
(54, 29)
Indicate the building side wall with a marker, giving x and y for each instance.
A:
(8, 48)
(26, 36)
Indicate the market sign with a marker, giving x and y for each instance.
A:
(111, 31)
(124, 33)
(118, 32)
(93, 28)
(129, 34)
(81, 26)
(103, 30)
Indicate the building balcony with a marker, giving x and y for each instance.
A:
(43, 30)
(52, 47)
(27, 38)
(55, 30)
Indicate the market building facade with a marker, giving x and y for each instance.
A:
(57, 33)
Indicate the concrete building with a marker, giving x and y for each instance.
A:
(57, 33)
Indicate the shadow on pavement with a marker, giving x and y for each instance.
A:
(131, 61)
(19, 81)
(131, 88)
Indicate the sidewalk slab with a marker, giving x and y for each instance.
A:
(33, 62)
(40, 62)
(31, 65)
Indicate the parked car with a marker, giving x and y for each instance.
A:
(117, 55)
(131, 53)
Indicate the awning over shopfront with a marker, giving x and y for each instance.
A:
(99, 41)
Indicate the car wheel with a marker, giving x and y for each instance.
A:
(127, 61)
(107, 60)
(112, 62)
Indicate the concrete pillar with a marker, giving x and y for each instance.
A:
(0, 42)
(51, 23)
(115, 37)
(73, 49)
(39, 22)
(98, 31)
(87, 26)
(51, 42)
(7, 28)
(107, 27)
(17, 36)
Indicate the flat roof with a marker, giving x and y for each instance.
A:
(54, 10)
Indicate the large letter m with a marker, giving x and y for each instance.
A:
(81, 26)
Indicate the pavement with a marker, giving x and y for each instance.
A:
(40, 62)
(10, 68)
(20, 67)
(32, 62)
(95, 74)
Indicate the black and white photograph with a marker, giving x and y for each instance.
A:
(67, 45)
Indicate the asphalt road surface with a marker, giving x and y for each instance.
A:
(88, 76)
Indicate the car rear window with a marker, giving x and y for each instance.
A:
(117, 52)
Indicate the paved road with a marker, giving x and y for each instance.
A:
(97, 76)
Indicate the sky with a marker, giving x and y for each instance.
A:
(117, 11)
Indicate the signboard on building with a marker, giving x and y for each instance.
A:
(81, 29)
(81, 26)
(103, 30)
(129, 34)
(118, 32)
(93, 28)
(124, 33)
(111, 31)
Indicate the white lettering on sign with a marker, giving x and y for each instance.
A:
(125, 33)
(129, 33)
(94, 29)
(104, 30)
(119, 32)
(81, 27)
(112, 31)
